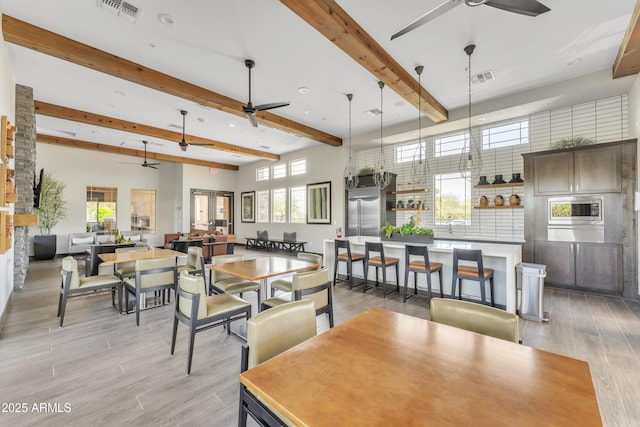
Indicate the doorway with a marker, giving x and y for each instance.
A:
(212, 210)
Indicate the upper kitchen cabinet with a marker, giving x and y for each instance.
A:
(591, 169)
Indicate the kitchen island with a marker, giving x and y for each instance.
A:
(503, 258)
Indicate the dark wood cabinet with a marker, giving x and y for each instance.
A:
(559, 257)
(593, 170)
(599, 266)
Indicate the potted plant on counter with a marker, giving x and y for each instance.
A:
(409, 232)
(52, 209)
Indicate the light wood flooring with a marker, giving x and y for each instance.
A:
(108, 372)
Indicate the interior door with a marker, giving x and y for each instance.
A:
(212, 210)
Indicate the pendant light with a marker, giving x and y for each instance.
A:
(419, 165)
(350, 175)
(470, 159)
(381, 177)
(183, 144)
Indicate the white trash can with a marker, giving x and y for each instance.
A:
(530, 285)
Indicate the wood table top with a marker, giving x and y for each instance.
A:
(382, 368)
(136, 255)
(263, 268)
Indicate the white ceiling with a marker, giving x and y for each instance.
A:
(210, 39)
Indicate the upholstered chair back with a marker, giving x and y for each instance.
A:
(309, 257)
(193, 285)
(221, 259)
(69, 264)
(275, 330)
(311, 279)
(156, 279)
(194, 257)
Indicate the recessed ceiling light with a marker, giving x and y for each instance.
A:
(303, 89)
(95, 132)
(152, 45)
(202, 120)
(399, 104)
(307, 112)
(232, 125)
(574, 61)
(166, 19)
(119, 93)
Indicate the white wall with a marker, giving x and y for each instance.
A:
(7, 108)
(324, 163)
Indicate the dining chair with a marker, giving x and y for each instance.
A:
(379, 261)
(125, 270)
(284, 284)
(222, 283)
(201, 312)
(420, 265)
(311, 285)
(74, 286)
(194, 261)
(342, 253)
(475, 317)
(270, 333)
(477, 273)
(152, 275)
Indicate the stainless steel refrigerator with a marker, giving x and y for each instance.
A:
(367, 211)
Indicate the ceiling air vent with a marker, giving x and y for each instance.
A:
(120, 8)
(485, 76)
(373, 112)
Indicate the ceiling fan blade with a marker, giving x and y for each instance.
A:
(252, 118)
(152, 166)
(443, 8)
(523, 7)
(271, 106)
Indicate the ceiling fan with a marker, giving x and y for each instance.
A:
(183, 143)
(145, 163)
(249, 109)
(523, 7)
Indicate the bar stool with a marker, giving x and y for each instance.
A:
(466, 272)
(419, 266)
(379, 262)
(347, 257)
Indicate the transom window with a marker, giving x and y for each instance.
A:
(451, 144)
(298, 167)
(505, 135)
(262, 174)
(279, 171)
(406, 152)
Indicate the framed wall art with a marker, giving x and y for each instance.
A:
(248, 206)
(319, 203)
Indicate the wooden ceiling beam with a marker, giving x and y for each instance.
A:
(26, 35)
(75, 143)
(627, 61)
(340, 28)
(65, 113)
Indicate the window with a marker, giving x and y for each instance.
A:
(405, 153)
(279, 171)
(101, 210)
(298, 204)
(262, 174)
(451, 144)
(143, 210)
(452, 202)
(262, 206)
(279, 205)
(505, 135)
(297, 167)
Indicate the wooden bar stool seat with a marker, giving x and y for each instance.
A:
(419, 265)
(342, 253)
(379, 262)
(468, 272)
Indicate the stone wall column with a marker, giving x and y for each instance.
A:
(25, 165)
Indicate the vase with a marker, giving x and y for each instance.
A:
(498, 200)
(483, 201)
(514, 200)
(44, 247)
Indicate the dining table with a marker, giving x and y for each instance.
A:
(262, 268)
(383, 368)
(129, 256)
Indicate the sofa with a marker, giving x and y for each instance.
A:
(205, 235)
(80, 242)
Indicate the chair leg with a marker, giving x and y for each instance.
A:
(192, 338)
(397, 279)
(242, 412)
(493, 303)
(482, 291)
(384, 280)
(259, 291)
(453, 285)
(175, 334)
(366, 271)
(441, 285)
(350, 274)
(137, 307)
(406, 283)
(62, 307)
(429, 282)
(335, 270)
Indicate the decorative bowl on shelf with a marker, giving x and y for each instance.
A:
(483, 201)
(498, 200)
(514, 200)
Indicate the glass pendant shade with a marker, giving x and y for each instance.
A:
(419, 164)
(350, 174)
(381, 176)
(471, 159)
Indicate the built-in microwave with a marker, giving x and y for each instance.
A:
(576, 210)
